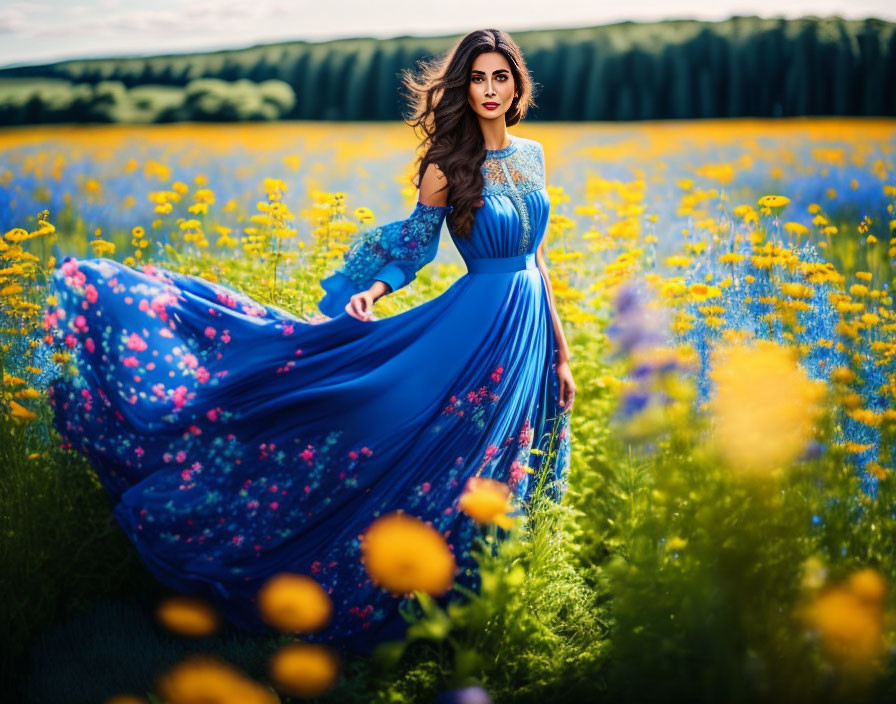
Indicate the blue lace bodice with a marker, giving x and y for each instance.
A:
(511, 221)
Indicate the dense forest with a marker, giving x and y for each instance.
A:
(679, 69)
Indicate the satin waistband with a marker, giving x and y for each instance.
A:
(495, 265)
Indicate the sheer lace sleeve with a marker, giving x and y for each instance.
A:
(392, 253)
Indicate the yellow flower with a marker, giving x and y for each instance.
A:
(796, 228)
(796, 290)
(402, 554)
(849, 620)
(204, 195)
(101, 247)
(865, 416)
(774, 201)
(292, 161)
(294, 603)
(675, 543)
(19, 412)
(187, 616)
(487, 501)
(700, 291)
(842, 375)
(875, 469)
(856, 448)
(677, 260)
(869, 585)
(364, 214)
(870, 319)
(204, 679)
(304, 669)
(763, 406)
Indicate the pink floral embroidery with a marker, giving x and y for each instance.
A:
(472, 403)
(161, 302)
(517, 471)
(227, 300)
(135, 342)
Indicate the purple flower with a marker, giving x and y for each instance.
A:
(633, 403)
(468, 695)
(633, 325)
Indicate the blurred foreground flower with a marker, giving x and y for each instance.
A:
(204, 679)
(657, 392)
(764, 406)
(467, 695)
(125, 699)
(304, 669)
(20, 413)
(188, 616)
(487, 501)
(849, 620)
(658, 395)
(294, 603)
(634, 325)
(402, 554)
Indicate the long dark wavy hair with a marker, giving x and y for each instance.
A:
(451, 136)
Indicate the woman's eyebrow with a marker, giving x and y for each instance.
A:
(500, 70)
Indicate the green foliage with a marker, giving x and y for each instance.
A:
(208, 99)
(742, 66)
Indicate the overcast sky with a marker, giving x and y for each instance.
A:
(48, 30)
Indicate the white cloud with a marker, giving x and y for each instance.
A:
(12, 21)
(203, 17)
(51, 30)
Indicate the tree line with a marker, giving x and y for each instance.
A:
(678, 69)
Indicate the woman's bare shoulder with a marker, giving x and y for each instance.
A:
(433, 185)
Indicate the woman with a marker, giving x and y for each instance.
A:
(239, 441)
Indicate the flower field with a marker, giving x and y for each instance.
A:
(728, 532)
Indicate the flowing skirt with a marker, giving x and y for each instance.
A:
(238, 440)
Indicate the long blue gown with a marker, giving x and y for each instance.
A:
(238, 441)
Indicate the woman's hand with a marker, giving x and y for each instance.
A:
(316, 318)
(360, 305)
(567, 386)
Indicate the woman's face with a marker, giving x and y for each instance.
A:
(492, 87)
